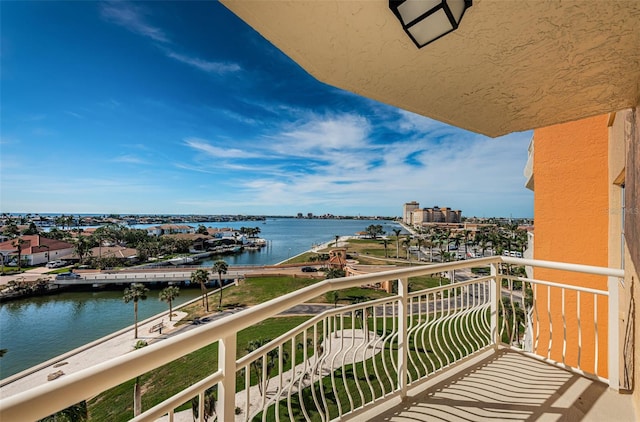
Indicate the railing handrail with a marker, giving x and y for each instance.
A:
(123, 368)
(554, 284)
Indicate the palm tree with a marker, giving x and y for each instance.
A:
(333, 296)
(135, 293)
(201, 277)
(397, 232)
(209, 404)
(82, 248)
(169, 294)
(385, 242)
(137, 394)
(406, 243)
(271, 356)
(17, 243)
(337, 238)
(220, 267)
(334, 273)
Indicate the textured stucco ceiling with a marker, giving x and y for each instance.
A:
(512, 65)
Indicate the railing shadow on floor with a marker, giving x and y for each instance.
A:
(506, 385)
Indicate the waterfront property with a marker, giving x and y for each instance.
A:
(33, 250)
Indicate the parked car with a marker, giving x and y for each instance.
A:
(56, 264)
(309, 269)
(67, 276)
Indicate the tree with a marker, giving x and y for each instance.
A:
(18, 243)
(3, 352)
(82, 248)
(406, 243)
(32, 229)
(256, 365)
(201, 277)
(220, 267)
(135, 293)
(137, 394)
(334, 273)
(209, 404)
(169, 294)
(202, 230)
(337, 238)
(397, 233)
(374, 230)
(333, 297)
(385, 242)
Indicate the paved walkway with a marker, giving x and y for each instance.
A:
(90, 354)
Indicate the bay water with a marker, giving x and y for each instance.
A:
(34, 330)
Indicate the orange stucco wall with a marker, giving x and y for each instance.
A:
(571, 225)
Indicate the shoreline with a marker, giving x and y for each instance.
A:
(319, 247)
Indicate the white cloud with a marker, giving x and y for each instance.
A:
(205, 65)
(204, 146)
(129, 159)
(131, 17)
(339, 132)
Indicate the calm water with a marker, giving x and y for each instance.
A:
(37, 329)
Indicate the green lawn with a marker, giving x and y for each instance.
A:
(363, 381)
(117, 405)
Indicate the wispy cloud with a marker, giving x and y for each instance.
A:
(205, 65)
(76, 115)
(131, 17)
(213, 151)
(129, 159)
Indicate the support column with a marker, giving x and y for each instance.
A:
(227, 387)
(613, 340)
(403, 292)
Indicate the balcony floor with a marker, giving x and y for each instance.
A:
(506, 386)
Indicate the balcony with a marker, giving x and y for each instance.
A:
(499, 346)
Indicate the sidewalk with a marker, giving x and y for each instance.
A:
(90, 354)
(29, 275)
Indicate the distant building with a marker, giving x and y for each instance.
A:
(169, 229)
(407, 211)
(413, 214)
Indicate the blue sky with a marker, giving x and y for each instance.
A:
(161, 107)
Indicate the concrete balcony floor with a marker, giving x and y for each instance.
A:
(506, 386)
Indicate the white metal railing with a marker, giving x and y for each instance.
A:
(347, 358)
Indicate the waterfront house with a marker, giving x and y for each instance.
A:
(34, 249)
(169, 229)
(121, 253)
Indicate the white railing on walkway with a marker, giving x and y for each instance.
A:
(351, 357)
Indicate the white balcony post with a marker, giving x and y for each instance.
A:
(403, 292)
(494, 292)
(227, 387)
(614, 336)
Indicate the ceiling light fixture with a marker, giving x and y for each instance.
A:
(427, 20)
